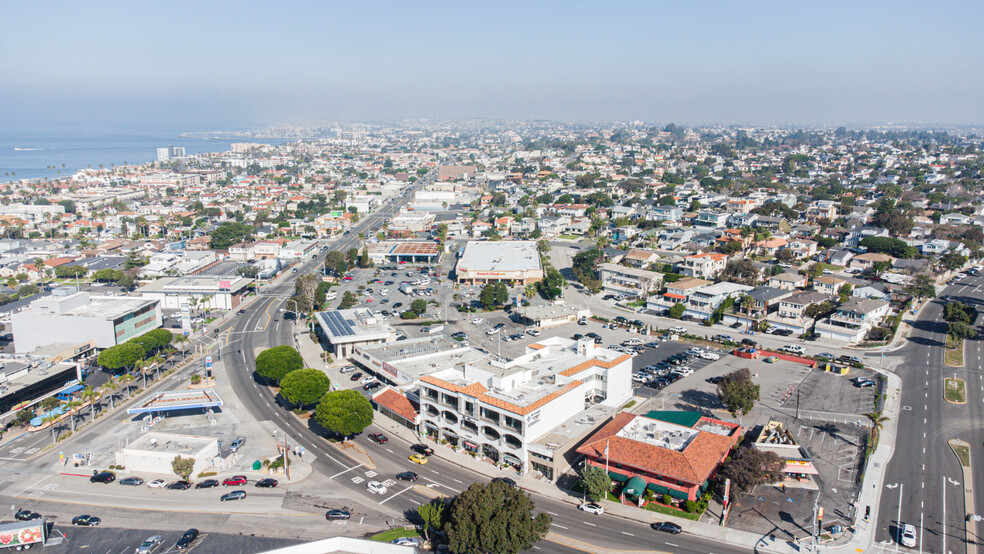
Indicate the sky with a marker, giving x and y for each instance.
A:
(231, 65)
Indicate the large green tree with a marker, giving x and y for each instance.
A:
(737, 392)
(344, 412)
(595, 482)
(494, 517)
(493, 295)
(275, 363)
(583, 268)
(749, 467)
(336, 263)
(121, 356)
(922, 286)
(304, 387)
(229, 233)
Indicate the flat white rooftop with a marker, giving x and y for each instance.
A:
(658, 433)
(500, 255)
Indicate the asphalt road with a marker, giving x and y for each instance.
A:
(923, 480)
(259, 328)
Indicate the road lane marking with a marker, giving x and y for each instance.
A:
(346, 471)
(558, 525)
(671, 544)
(394, 495)
(591, 524)
(629, 534)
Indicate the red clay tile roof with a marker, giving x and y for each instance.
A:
(396, 402)
(592, 363)
(694, 464)
(477, 390)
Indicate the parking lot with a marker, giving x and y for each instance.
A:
(118, 540)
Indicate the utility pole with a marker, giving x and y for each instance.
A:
(797, 404)
(816, 513)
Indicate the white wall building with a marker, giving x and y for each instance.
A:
(220, 293)
(153, 453)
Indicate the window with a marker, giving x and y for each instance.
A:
(490, 415)
(431, 393)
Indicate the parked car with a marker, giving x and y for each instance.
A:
(667, 527)
(207, 484)
(267, 483)
(591, 508)
(407, 476)
(157, 484)
(372, 386)
(505, 480)
(422, 449)
(103, 477)
(187, 539)
(356, 376)
(533, 333)
(348, 368)
(131, 481)
(723, 338)
(337, 515)
(234, 495)
(149, 544)
(748, 342)
(826, 356)
(179, 486)
(378, 438)
(237, 443)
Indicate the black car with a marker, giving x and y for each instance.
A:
(667, 527)
(716, 379)
(422, 449)
(207, 484)
(783, 332)
(337, 515)
(407, 476)
(397, 305)
(179, 486)
(811, 336)
(234, 495)
(356, 376)
(505, 480)
(103, 477)
(86, 520)
(267, 483)
(748, 342)
(735, 325)
(186, 540)
(26, 515)
(372, 386)
(132, 481)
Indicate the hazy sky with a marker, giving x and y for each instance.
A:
(202, 65)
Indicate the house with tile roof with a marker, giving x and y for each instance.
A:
(674, 453)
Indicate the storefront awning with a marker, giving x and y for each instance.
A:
(635, 486)
(618, 477)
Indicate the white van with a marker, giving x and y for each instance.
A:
(331, 295)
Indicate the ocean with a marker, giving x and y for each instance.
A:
(53, 155)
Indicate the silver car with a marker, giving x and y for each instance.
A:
(150, 545)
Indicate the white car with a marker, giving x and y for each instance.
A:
(908, 535)
(477, 321)
(376, 487)
(795, 349)
(492, 331)
(533, 333)
(591, 509)
(157, 484)
(710, 356)
(367, 379)
(678, 330)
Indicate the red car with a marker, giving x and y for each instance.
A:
(347, 278)
(378, 438)
(234, 481)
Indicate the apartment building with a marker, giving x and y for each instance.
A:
(853, 319)
(620, 279)
(703, 266)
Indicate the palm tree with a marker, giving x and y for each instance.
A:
(110, 387)
(91, 395)
(72, 405)
(155, 363)
(51, 419)
(877, 420)
(126, 379)
(182, 339)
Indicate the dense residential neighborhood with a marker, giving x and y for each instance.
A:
(423, 283)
